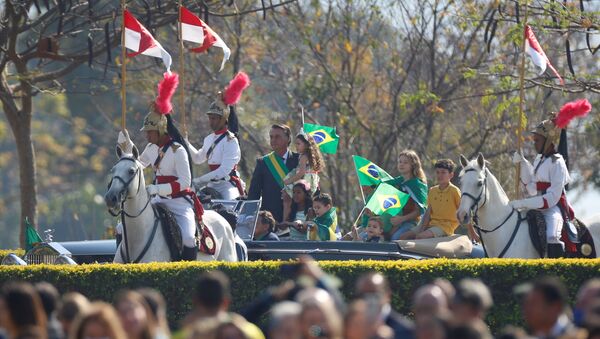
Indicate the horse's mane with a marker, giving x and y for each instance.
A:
(472, 165)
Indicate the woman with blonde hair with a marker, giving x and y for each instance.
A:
(412, 181)
(135, 314)
(99, 320)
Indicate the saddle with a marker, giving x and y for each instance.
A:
(172, 234)
(580, 240)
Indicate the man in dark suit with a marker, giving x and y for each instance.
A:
(375, 285)
(268, 174)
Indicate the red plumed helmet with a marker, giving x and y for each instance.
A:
(166, 89)
(571, 110)
(237, 85)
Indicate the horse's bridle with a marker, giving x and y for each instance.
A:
(126, 188)
(474, 209)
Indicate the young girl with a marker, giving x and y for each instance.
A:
(299, 214)
(309, 166)
(413, 182)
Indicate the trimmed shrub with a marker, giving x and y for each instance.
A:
(4, 253)
(176, 280)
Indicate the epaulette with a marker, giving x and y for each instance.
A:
(230, 135)
(555, 157)
(175, 147)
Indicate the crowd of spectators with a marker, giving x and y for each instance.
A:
(307, 304)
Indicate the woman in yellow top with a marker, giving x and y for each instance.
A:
(442, 201)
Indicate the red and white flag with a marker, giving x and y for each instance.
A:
(140, 41)
(535, 51)
(195, 30)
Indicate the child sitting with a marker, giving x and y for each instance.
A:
(443, 201)
(413, 182)
(265, 227)
(374, 231)
(300, 211)
(324, 226)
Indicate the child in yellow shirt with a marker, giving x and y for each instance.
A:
(443, 200)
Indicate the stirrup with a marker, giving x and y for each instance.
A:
(555, 251)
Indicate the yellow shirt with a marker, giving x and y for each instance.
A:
(443, 205)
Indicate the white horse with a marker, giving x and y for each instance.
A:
(504, 231)
(143, 239)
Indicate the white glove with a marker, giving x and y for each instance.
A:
(518, 157)
(125, 142)
(529, 203)
(162, 189)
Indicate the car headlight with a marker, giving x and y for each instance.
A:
(13, 259)
(64, 259)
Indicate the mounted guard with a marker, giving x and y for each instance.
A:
(166, 153)
(544, 182)
(221, 148)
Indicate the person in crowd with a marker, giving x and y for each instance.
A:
(430, 326)
(473, 330)
(544, 308)
(284, 321)
(412, 181)
(135, 314)
(50, 300)
(265, 227)
(232, 218)
(221, 149)
(324, 227)
(442, 202)
(375, 286)
(430, 301)
(158, 311)
(271, 169)
(300, 211)
(310, 164)
(319, 317)
(21, 312)
(71, 306)
(587, 297)
(374, 231)
(99, 320)
(362, 321)
(224, 326)
(211, 297)
(447, 288)
(471, 302)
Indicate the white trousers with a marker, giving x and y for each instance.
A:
(554, 222)
(184, 214)
(227, 189)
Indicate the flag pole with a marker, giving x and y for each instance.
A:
(123, 68)
(181, 75)
(302, 110)
(521, 101)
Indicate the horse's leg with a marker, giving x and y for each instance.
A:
(117, 259)
(595, 232)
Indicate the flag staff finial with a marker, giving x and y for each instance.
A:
(123, 68)
(521, 100)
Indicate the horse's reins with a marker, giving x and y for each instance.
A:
(122, 213)
(475, 211)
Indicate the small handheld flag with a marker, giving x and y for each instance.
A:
(535, 51)
(193, 29)
(387, 199)
(369, 173)
(140, 41)
(32, 237)
(325, 137)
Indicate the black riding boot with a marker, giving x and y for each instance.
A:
(555, 251)
(118, 238)
(189, 253)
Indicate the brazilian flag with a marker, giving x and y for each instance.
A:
(32, 237)
(369, 173)
(324, 136)
(387, 199)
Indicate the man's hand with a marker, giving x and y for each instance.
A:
(472, 234)
(199, 182)
(518, 157)
(397, 220)
(152, 189)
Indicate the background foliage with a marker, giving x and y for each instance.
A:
(440, 77)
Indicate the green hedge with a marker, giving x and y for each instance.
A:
(176, 280)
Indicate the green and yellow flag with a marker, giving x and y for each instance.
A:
(387, 199)
(32, 237)
(325, 137)
(369, 173)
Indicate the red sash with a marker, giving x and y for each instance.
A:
(565, 209)
(205, 247)
(234, 179)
